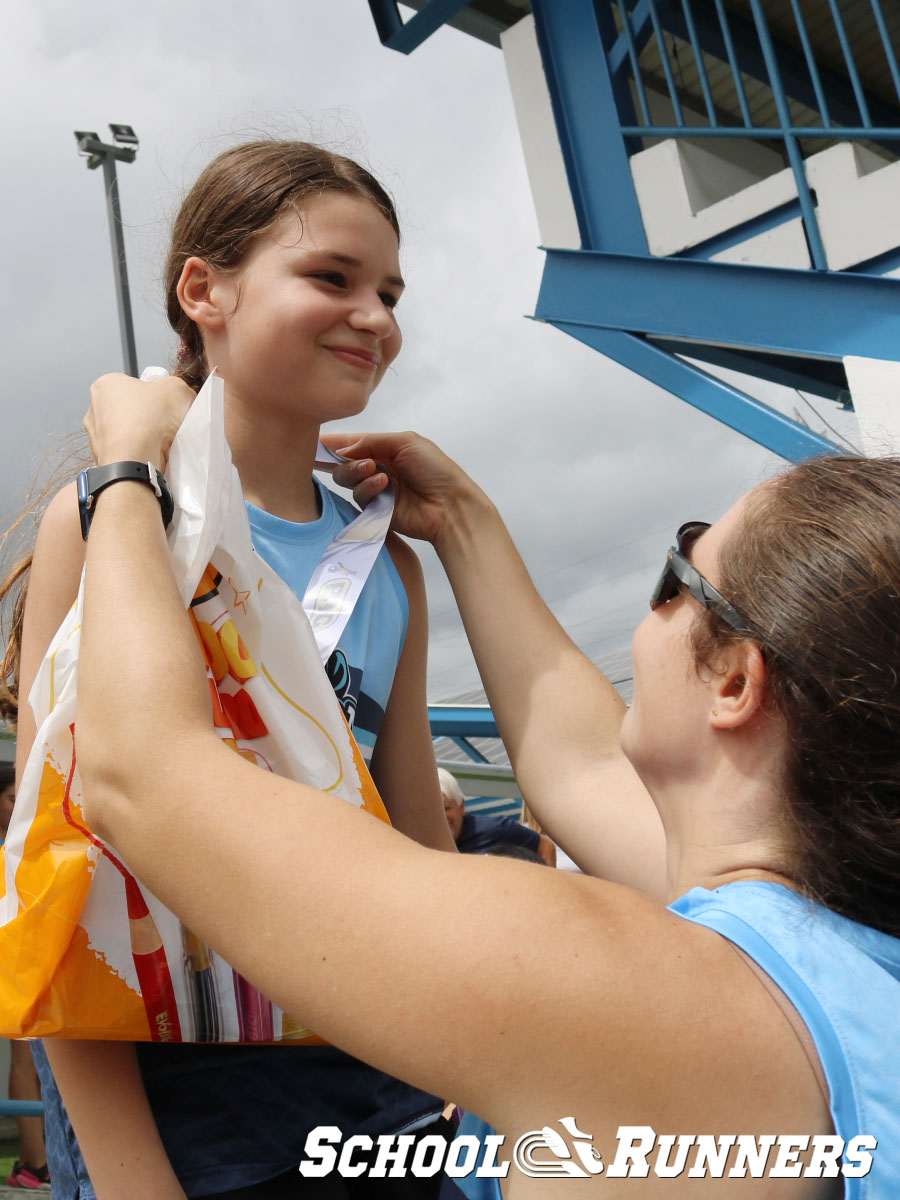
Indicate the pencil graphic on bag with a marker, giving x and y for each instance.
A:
(254, 1011)
(152, 967)
(201, 987)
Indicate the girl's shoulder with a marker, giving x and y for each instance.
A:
(59, 550)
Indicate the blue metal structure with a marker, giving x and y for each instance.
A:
(760, 70)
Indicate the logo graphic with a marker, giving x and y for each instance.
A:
(547, 1154)
(338, 671)
(562, 1165)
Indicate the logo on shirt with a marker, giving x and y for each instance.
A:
(338, 671)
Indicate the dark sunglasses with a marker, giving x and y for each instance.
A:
(678, 572)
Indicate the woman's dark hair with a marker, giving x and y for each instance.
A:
(814, 566)
(239, 196)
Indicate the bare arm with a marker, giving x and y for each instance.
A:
(99, 1082)
(403, 765)
(558, 715)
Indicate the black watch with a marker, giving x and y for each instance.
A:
(92, 482)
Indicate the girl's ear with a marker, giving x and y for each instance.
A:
(739, 691)
(200, 295)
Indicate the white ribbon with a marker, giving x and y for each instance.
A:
(343, 569)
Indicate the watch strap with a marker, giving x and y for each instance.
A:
(95, 479)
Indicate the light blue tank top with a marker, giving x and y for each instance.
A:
(361, 669)
(844, 980)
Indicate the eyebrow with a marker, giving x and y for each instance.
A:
(349, 261)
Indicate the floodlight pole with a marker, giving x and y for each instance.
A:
(105, 155)
(120, 271)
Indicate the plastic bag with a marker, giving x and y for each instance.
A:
(87, 951)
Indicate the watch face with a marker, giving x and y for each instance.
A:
(84, 508)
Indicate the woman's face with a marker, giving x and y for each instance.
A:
(309, 316)
(662, 733)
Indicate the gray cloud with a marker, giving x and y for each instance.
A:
(591, 466)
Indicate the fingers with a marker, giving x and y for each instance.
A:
(364, 477)
(383, 446)
(350, 474)
(365, 492)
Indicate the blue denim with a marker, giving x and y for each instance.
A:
(67, 1170)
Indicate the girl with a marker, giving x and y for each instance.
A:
(284, 274)
(748, 1029)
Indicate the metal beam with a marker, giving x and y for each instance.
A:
(820, 376)
(587, 104)
(468, 749)
(641, 29)
(763, 308)
(717, 399)
(454, 720)
(406, 36)
(21, 1108)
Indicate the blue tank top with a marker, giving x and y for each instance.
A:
(361, 669)
(844, 980)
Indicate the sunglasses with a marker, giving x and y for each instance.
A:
(678, 572)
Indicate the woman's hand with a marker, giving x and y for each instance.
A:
(429, 487)
(133, 420)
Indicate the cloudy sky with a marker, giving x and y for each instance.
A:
(592, 467)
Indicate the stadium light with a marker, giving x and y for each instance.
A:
(123, 148)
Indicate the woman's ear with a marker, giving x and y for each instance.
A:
(201, 295)
(739, 691)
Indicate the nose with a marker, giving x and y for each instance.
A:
(370, 313)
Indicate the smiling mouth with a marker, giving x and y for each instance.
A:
(365, 360)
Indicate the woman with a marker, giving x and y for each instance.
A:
(757, 767)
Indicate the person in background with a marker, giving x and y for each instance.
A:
(481, 833)
(30, 1169)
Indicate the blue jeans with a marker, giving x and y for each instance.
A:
(67, 1170)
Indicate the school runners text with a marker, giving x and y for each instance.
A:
(549, 1153)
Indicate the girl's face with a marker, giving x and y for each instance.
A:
(308, 320)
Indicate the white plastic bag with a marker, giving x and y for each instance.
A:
(87, 951)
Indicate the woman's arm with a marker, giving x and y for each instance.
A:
(99, 1082)
(403, 764)
(558, 715)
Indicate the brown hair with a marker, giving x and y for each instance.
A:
(240, 195)
(235, 200)
(814, 567)
(17, 544)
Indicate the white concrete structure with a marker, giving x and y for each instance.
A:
(690, 193)
(537, 129)
(858, 195)
(875, 388)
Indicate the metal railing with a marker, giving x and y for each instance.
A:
(699, 69)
